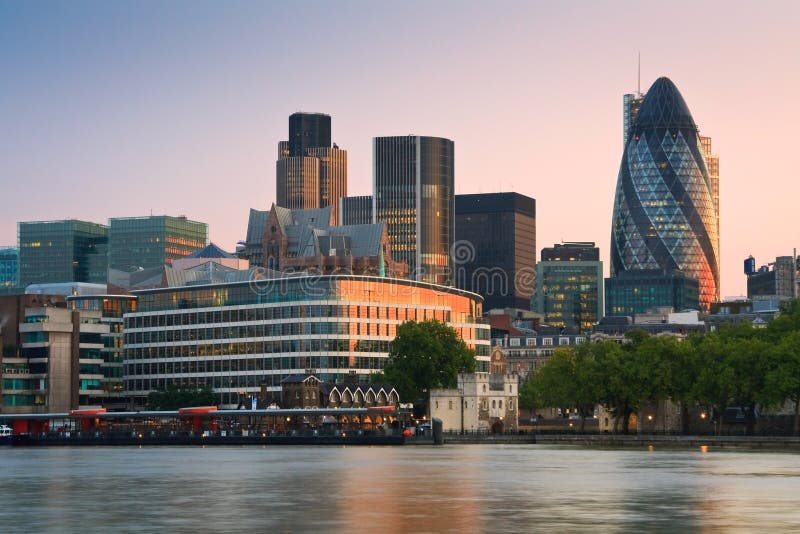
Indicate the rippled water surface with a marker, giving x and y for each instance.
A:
(464, 488)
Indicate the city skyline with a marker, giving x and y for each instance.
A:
(115, 111)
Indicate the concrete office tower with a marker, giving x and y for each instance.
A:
(569, 286)
(495, 249)
(413, 192)
(664, 214)
(62, 251)
(310, 173)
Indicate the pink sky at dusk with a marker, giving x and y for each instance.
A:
(123, 108)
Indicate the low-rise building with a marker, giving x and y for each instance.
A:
(308, 391)
(241, 337)
(524, 354)
(481, 402)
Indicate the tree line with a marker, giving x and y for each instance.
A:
(736, 366)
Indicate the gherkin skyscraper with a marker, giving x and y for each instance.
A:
(664, 212)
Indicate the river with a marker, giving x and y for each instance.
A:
(454, 488)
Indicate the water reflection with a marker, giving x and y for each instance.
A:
(423, 489)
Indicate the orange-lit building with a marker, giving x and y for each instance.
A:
(243, 338)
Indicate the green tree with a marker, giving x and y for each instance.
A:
(713, 385)
(175, 397)
(528, 395)
(425, 355)
(618, 381)
(783, 377)
(568, 380)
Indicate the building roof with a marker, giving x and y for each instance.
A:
(317, 217)
(310, 234)
(255, 226)
(663, 107)
(211, 251)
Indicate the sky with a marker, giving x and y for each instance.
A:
(116, 109)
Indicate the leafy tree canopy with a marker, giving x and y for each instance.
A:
(425, 355)
(175, 397)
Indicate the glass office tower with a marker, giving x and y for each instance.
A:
(569, 286)
(413, 185)
(664, 210)
(62, 251)
(9, 267)
(137, 243)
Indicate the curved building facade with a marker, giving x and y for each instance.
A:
(245, 337)
(664, 211)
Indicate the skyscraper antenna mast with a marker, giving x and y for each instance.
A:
(639, 75)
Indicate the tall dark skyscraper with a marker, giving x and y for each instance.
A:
(308, 130)
(413, 192)
(664, 208)
(495, 250)
(310, 173)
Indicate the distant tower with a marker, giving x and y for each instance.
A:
(664, 210)
(310, 173)
(631, 103)
(712, 164)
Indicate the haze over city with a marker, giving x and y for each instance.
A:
(123, 109)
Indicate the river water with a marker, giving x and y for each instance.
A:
(454, 488)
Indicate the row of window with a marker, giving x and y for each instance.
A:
(243, 365)
(257, 347)
(537, 342)
(496, 404)
(260, 331)
(267, 347)
(260, 314)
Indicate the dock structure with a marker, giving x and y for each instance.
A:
(206, 425)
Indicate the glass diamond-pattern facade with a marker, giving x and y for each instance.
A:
(665, 215)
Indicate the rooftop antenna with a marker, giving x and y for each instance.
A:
(639, 75)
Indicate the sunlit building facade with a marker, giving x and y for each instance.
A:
(664, 208)
(413, 192)
(244, 338)
(140, 243)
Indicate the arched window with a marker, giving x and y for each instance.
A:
(484, 388)
(500, 404)
(493, 404)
